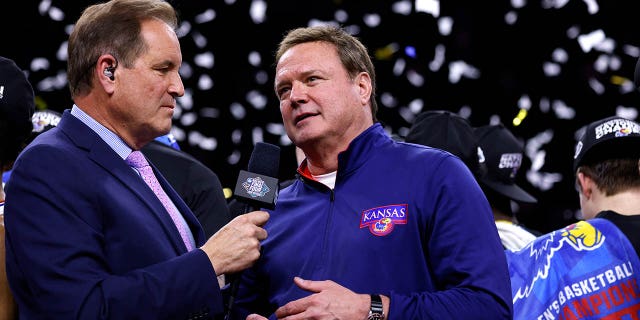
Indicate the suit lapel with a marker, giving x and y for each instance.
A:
(102, 154)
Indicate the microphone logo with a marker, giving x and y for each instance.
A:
(256, 187)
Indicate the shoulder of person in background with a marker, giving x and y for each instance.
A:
(542, 273)
(197, 184)
(17, 104)
(42, 121)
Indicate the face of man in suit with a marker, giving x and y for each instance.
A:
(140, 99)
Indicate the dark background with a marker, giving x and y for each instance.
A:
(416, 65)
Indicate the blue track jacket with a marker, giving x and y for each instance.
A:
(404, 220)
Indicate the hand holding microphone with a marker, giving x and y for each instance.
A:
(236, 246)
(256, 188)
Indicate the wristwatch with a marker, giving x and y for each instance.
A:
(375, 311)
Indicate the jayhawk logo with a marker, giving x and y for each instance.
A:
(383, 226)
(623, 132)
(582, 235)
(381, 220)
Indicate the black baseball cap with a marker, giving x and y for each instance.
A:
(447, 131)
(17, 104)
(503, 155)
(610, 138)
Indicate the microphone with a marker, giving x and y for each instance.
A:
(257, 188)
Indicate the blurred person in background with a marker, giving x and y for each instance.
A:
(492, 154)
(502, 154)
(589, 270)
(17, 105)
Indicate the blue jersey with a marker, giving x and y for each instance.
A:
(404, 220)
(588, 270)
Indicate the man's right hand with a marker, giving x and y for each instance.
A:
(236, 246)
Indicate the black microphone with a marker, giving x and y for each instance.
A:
(256, 188)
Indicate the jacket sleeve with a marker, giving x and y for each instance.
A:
(464, 253)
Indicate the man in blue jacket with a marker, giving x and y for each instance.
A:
(373, 228)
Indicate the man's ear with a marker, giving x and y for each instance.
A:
(585, 185)
(106, 66)
(364, 83)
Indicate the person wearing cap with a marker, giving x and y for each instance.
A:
(450, 132)
(589, 269)
(17, 104)
(492, 154)
(502, 154)
(607, 171)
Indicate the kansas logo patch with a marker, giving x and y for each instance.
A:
(381, 220)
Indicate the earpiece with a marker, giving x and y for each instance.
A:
(108, 72)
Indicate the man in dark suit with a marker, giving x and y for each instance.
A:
(87, 238)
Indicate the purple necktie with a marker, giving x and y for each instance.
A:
(137, 160)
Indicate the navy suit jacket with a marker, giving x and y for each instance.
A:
(88, 239)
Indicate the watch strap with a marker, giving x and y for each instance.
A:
(376, 312)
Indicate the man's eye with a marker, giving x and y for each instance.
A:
(282, 91)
